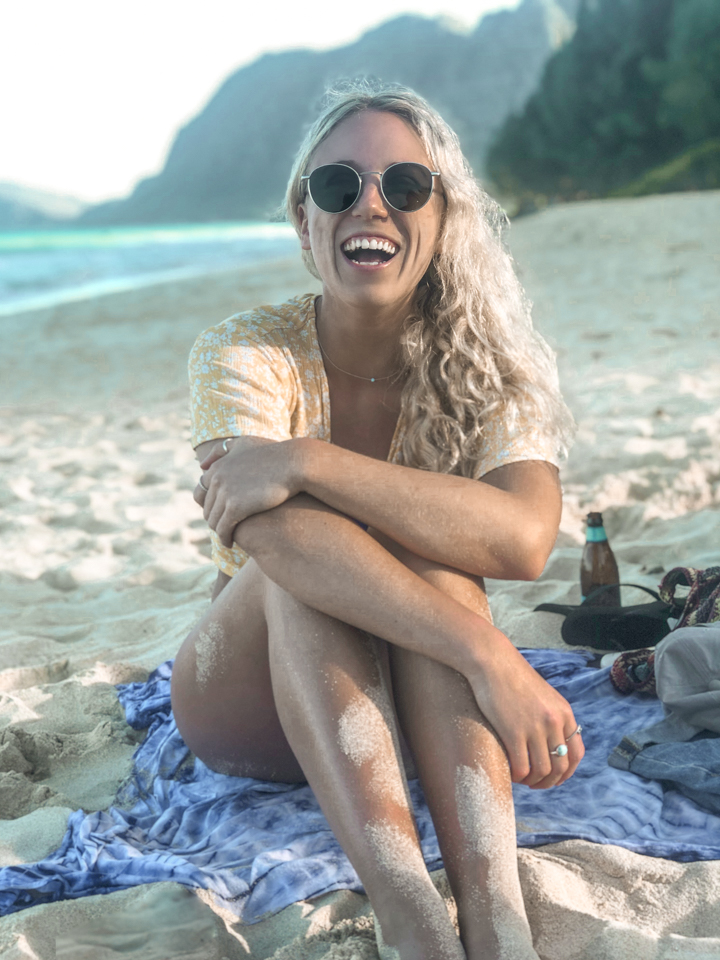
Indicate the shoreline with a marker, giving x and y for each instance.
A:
(91, 249)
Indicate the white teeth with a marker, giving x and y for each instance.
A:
(363, 243)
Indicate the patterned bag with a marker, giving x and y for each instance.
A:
(702, 604)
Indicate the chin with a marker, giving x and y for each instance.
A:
(373, 288)
(376, 295)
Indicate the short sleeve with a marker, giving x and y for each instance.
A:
(523, 440)
(240, 384)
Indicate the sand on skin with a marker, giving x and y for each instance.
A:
(105, 564)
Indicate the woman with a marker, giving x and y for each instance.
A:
(349, 625)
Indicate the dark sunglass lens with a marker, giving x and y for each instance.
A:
(334, 187)
(407, 186)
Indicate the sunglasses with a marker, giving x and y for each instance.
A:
(335, 187)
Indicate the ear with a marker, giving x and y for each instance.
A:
(304, 231)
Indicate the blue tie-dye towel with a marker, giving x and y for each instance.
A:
(261, 846)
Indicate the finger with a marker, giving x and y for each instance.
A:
(576, 751)
(541, 763)
(217, 453)
(226, 528)
(199, 494)
(563, 766)
(559, 767)
(574, 744)
(216, 512)
(210, 499)
(201, 490)
(519, 761)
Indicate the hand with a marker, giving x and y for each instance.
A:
(254, 474)
(529, 716)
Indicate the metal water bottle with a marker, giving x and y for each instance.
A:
(598, 567)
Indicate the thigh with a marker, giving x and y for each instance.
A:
(222, 694)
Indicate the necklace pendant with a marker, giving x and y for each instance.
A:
(372, 379)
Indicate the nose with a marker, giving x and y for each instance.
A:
(371, 202)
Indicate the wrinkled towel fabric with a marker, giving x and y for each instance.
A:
(258, 846)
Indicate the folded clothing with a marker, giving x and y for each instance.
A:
(683, 748)
(690, 766)
(687, 668)
(259, 846)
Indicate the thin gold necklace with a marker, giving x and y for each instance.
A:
(355, 375)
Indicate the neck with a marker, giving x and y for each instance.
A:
(365, 343)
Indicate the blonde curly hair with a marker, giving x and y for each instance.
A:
(471, 353)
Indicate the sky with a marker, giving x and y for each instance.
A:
(95, 90)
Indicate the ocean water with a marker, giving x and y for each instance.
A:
(42, 268)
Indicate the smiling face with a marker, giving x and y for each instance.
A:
(371, 255)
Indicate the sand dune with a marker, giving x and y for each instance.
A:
(105, 563)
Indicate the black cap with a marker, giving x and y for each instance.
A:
(594, 520)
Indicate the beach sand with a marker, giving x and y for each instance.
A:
(105, 566)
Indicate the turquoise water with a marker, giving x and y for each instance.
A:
(42, 268)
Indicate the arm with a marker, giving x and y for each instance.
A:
(503, 526)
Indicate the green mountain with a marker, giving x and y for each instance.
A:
(232, 160)
(630, 105)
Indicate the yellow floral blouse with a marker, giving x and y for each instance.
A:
(261, 374)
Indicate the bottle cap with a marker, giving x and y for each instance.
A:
(594, 520)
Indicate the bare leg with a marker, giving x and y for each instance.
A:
(222, 693)
(338, 717)
(466, 780)
(333, 723)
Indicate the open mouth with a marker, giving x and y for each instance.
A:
(371, 251)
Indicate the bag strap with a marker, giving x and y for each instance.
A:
(610, 586)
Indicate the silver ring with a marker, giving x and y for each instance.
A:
(225, 445)
(579, 730)
(206, 489)
(561, 750)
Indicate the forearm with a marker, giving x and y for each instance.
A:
(330, 564)
(471, 525)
